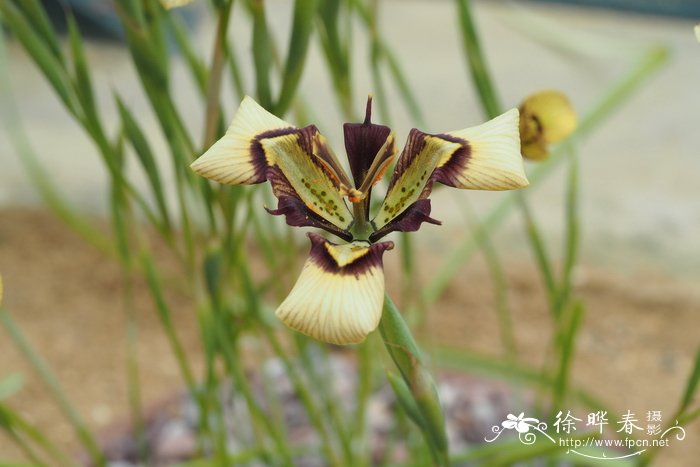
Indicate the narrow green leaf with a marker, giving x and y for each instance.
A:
(39, 177)
(405, 399)
(403, 87)
(566, 353)
(212, 274)
(42, 24)
(519, 374)
(539, 248)
(43, 56)
(262, 53)
(336, 53)
(302, 28)
(14, 423)
(163, 310)
(51, 382)
(10, 385)
(146, 157)
(692, 384)
(477, 64)
(194, 63)
(83, 83)
(572, 234)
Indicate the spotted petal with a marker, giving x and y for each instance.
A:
(258, 146)
(306, 176)
(339, 295)
(485, 157)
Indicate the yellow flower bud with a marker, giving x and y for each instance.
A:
(546, 117)
(697, 32)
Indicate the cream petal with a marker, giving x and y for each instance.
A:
(485, 157)
(493, 161)
(339, 295)
(237, 157)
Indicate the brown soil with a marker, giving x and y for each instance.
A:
(634, 351)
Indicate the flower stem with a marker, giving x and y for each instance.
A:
(423, 404)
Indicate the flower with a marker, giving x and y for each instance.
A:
(697, 31)
(339, 294)
(546, 117)
(520, 423)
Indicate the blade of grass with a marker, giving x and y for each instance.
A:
(498, 276)
(42, 24)
(212, 111)
(477, 63)
(565, 353)
(539, 248)
(52, 68)
(11, 420)
(262, 53)
(520, 374)
(54, 387)
(83, 83)
(302, 29)
(40, 179)
(147, 159)
(620, 91)
(336, 52)
(572, 235)
(382, 53)
(163, 310)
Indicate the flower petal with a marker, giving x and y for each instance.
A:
(339, 295)
(237, 158)
(489, 157)
(305, 176)
(298, 162)
(409, 220)
(364, 143)
(412, 178)
(485, 157)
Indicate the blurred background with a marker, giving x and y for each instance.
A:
(639, 259)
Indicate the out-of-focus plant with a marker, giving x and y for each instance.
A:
(546, 117)
(208, 227)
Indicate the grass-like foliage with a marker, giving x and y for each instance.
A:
(211, 230)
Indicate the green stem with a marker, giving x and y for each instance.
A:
(424, 405)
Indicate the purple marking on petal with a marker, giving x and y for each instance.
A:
(258, 158)
(298, 215)
(448, 174)
(409, 220)
(414, 145)
(322, 258)
(362, 142)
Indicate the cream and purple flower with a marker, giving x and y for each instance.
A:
(339, 294)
